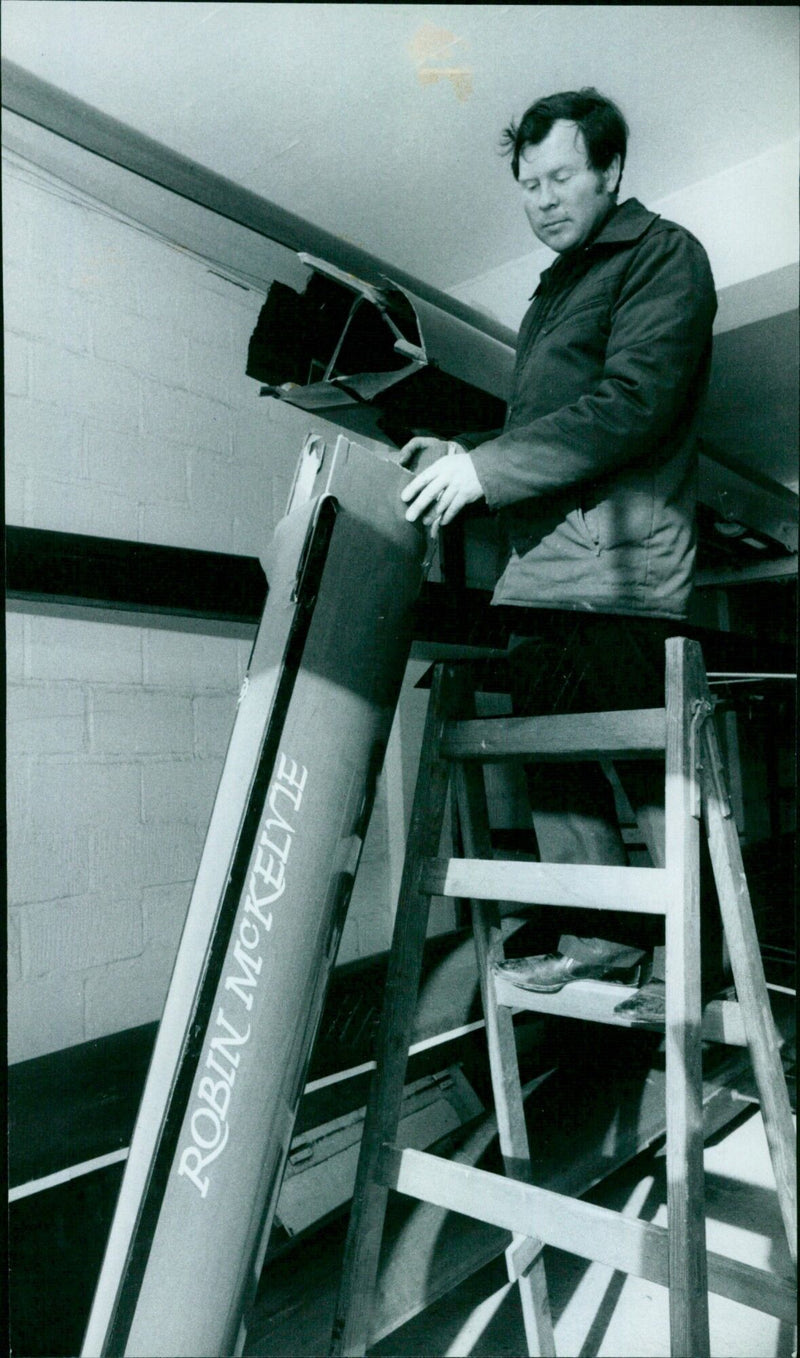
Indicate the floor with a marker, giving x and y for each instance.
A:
(602, 1314)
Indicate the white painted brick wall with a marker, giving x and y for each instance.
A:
(48, 862)
(180, 791)
(164, 910)
(127, 993)
(62, 936)
(15, 204)
(143, 471)
(15, 646)
(214, 715)
(46, 1014)
(83, 791)
(105, 393)
(50, 717)
(140, 722)
(128, 414)
(59, 649)
(154, 857)
(78, 508)
(15, 494)
(43, 440)
(14, 971)
(126, 337)
(192, 661)
(187, 416)
(35, 308)
(16, 366)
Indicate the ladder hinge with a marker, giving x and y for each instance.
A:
(702, 709)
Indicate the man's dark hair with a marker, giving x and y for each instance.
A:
(601, 122)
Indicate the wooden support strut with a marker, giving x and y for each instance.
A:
(688, 1278)
(748, 975)
(524, 1259)
(351, 1328)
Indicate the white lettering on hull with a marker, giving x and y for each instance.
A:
(209, 1125)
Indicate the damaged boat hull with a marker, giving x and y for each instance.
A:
(263, 926)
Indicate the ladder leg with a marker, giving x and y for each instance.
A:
(352, 1323)
(751, 988)
(533, 1295)
(524, 1257)
(688, 1283)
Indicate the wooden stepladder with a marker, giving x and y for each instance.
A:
(676, 1255)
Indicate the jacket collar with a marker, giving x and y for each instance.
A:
(623, 225)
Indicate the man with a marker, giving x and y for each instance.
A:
(593, 479)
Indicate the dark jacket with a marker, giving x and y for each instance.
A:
(594, 473)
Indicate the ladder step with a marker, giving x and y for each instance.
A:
(640, 733)
(595, 1001)
(582, 1228)
(638, 890)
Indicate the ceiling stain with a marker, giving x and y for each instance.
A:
(430, 49)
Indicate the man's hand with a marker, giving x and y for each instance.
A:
(443, 489)
(425, 443)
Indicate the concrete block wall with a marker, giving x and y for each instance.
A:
(128, 414)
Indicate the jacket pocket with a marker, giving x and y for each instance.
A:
(583, 530)
(625, 516)
(571, 313)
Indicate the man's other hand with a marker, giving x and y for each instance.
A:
(443, 489)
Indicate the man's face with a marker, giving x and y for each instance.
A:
(564, 198)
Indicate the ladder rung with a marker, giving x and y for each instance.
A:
(639, 890)
(582, 1228)
(595, 1002)
(585, 735)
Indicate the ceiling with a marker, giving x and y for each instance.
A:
(380, 123)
